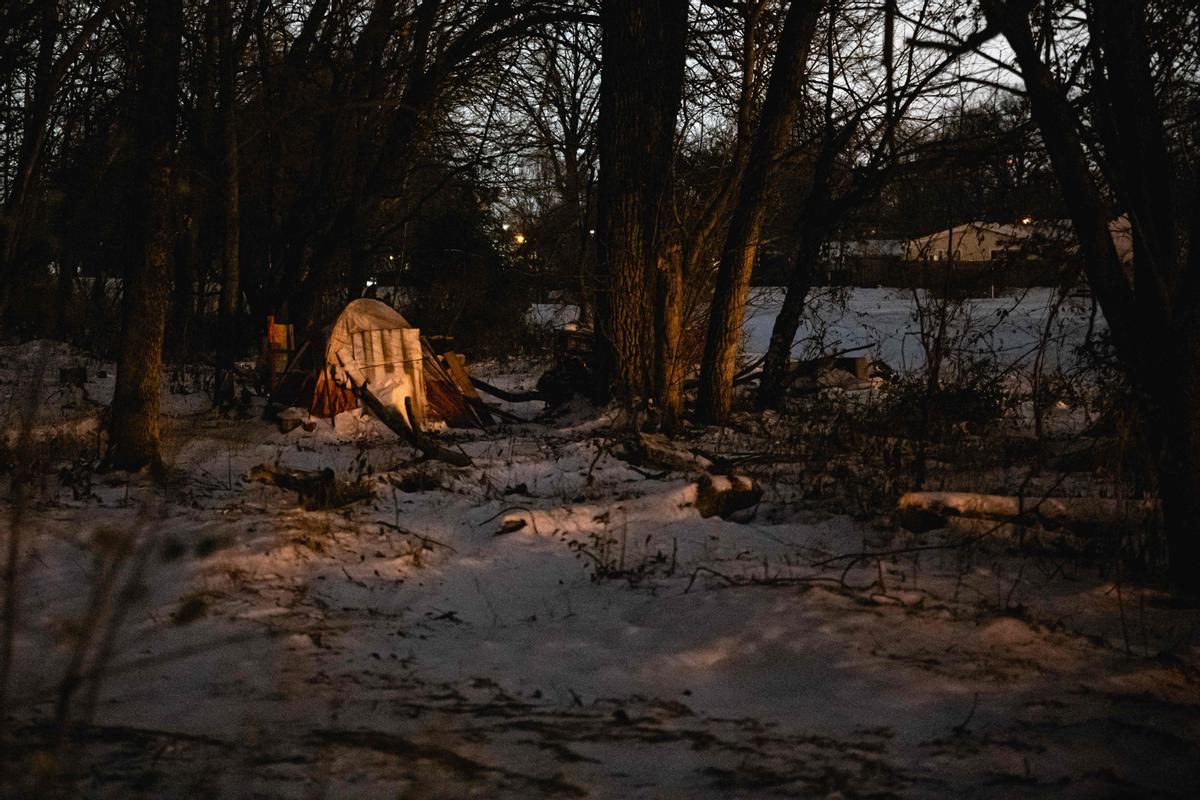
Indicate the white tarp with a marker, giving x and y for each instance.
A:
(371, 344)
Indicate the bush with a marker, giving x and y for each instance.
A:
(969, 400)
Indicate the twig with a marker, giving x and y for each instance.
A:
(421, 537)
(526, 509)
(752, 581)
(511, 397)
(961, 728)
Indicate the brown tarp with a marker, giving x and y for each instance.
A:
(329, 399)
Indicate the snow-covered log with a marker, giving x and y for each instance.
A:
(656, 450)
(399, 423)
(1065, 511)
(727, 496)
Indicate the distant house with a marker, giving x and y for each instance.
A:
(971, 241)
(987, 241)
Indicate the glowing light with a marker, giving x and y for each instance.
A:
(519, 238)
(1026, 220)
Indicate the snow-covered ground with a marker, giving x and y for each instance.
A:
(1008, 326)
(406, 647)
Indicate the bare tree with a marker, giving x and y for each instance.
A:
(541, 147)
(771, 137)
(870, 133)
(51, 70)
(641, 87)
(228, 55)
(134, 440)
(1155, 317)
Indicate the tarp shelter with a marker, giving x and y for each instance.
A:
(372, 347)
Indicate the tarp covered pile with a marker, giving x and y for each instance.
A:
(372, 348)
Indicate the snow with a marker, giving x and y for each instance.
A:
(1008, 326)
(615, 646)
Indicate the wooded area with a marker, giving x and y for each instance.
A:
(205, 164)
(183, 180)
(635, 144)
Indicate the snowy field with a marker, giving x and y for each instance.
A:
(1008, 326)
(406, 647)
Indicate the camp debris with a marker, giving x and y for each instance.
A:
(373, 357)
(315, 490)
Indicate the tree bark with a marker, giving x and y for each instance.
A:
(668, 338)
(182, 316)
(227, 339)
(775, 124)
(134, 440)
(641, 86)
(64, 294)
(774, 380)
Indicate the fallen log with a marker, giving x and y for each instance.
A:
(746, 374)
(399, 423)
(504, 394)
(858, 367)
(1068, 512)
(656, 450)
(732, 497)
(316, 489)
(507, 416)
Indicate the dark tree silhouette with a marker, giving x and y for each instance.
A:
(641, 86)
(771, 137)
(1155, 317)
(134, 440)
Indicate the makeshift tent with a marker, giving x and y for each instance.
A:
(372, 348)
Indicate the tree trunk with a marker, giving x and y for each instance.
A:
(64, 296)
(37, 115)
(183, 312)
(134, 441)
(745, 227)
(774, 381)
(227, 339)
(1089, 216)
(1179, 475)
(820, 214)
(668, 338)
(641, 85)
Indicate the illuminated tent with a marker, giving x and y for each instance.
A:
(372, 348)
